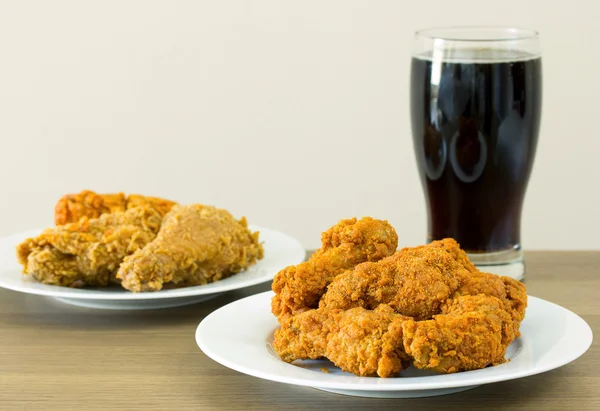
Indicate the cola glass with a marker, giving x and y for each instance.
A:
(476, 101)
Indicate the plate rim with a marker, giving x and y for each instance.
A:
(464, 379)
(98, 294)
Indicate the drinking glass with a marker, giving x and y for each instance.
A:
(476, 101)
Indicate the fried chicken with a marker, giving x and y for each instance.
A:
(89, 251)
(511, 292)
(414, 283)
(427, 304)
(195, 245)
(364, 342)
(368, 342)
(71, 207)
(451, 246)
(469, 334)
(348, 243)
(304, 336)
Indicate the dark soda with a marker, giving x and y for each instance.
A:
(475, 130)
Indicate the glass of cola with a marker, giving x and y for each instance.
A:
(476, 102)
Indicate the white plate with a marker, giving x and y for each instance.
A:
(240, 335)
(281, 250)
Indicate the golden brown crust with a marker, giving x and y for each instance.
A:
(348, 243)
(89, 251)
(196, 245)
(449, 245)
(470, 334)
(414, 284)
(72, 207)
(364, 342)
(162, 205)
(368, 342)
(303, 336)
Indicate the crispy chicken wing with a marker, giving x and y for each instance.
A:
(470, 334)
(414, 283)
(195, 245)
(89, 251)
(344, 245)
(71, 207)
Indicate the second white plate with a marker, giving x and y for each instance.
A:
(240, 336)
(281, 250)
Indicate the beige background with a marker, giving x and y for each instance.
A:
(292, 113)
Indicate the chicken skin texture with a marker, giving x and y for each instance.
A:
(469, 334)
(304, 336)
(414, 284)
(196, 245)
(368, 342)
(89, 251)
(452, 247)
(364, 342)
(71, 207)
(509, 291)
(348, 243)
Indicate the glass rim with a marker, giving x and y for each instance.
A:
(505, 33)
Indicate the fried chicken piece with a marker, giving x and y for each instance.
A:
(162, 205)
(414, 283)
(511, 292)
(196, 245)
(368, 342)
(360, 341)
(71, 207)
(451, 246)
(344, 245)
(469, 335)
(89, 251)
(304, 336)
(516, 294)
(473, 282)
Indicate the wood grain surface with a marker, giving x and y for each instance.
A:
(58, 357)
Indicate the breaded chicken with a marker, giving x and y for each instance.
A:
(368, 342)
(89, 251)
(511, 292)
(471, 333)
(473, 282)
(348, 243)
(449, 245)
(364, 342)
(428, 304)
(414, 283)
(196, 245)
(304, 336)
(71, 207)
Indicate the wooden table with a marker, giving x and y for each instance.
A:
(57, 357)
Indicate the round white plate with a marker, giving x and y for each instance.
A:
(240, 335)
(281, 250)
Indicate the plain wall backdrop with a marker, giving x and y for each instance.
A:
(293, 113)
